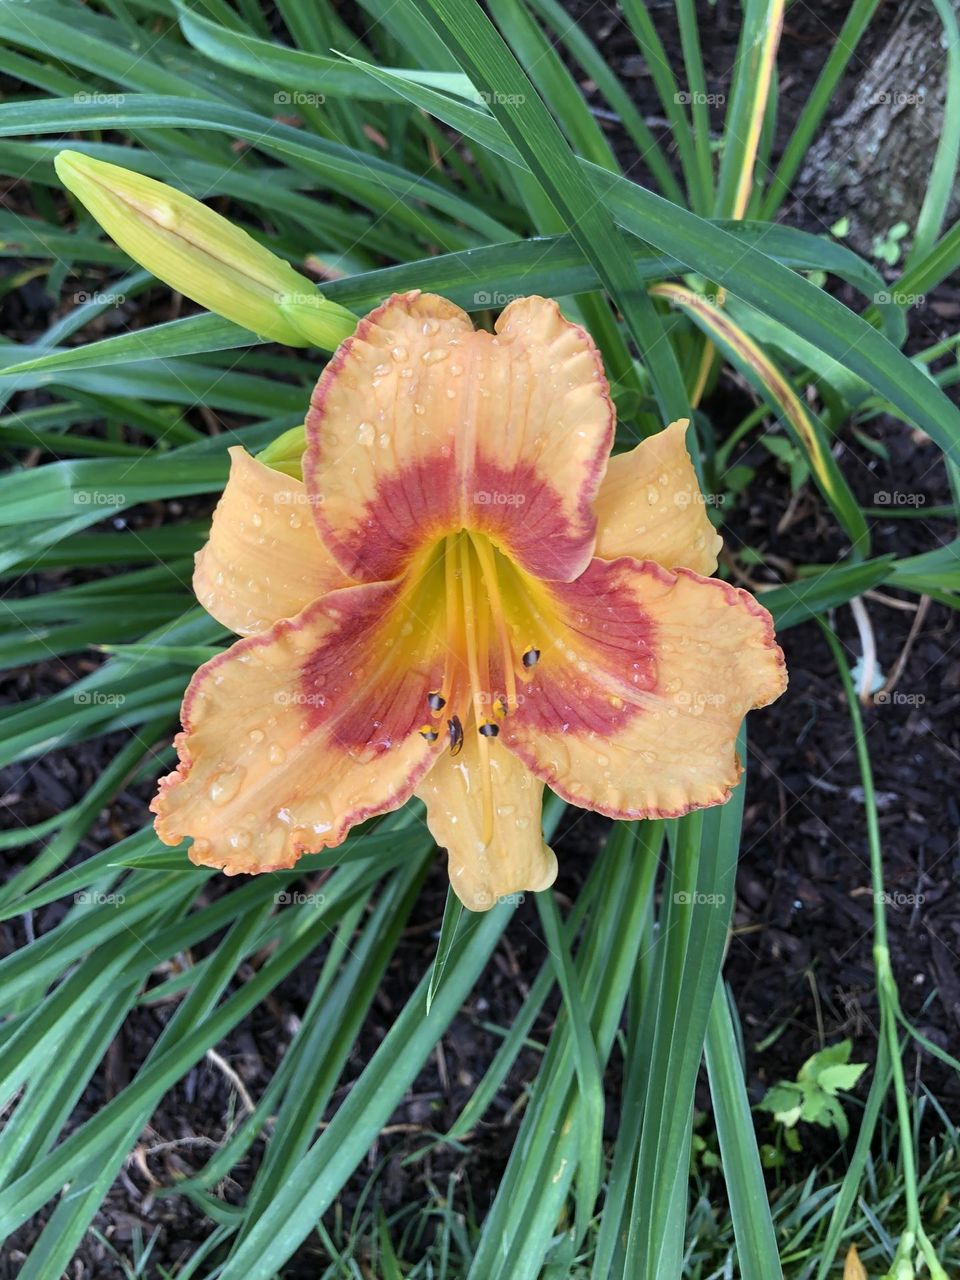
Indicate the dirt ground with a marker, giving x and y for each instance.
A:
(800, 959)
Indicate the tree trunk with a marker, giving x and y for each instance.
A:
(873, 162)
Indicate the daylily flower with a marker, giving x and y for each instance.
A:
(462, 600)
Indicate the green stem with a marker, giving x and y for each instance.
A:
(887, 992)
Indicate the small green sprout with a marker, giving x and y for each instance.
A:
(887, 248)
(814, 1095)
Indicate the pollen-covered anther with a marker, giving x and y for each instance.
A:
(429, 732)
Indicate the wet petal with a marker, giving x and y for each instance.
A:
(516, 859)
(650, 506)
(421, 426)
(293, 736)
(635, 709)
(264, 560)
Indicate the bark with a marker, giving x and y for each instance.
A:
(873, 161)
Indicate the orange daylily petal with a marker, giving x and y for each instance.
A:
(650, 506)
(634, 711)
(422, 425)
(292, 736)
(264, 560)
(516, 859)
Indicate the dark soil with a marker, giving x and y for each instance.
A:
(800, 959)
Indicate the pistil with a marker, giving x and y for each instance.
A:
(488, 567)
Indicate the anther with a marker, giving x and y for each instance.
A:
(427, 731)
(436, 701)
(531, 658)
(500, 706)
(455, 729)
(489, 729)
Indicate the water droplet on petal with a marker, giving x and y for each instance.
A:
(226, 785)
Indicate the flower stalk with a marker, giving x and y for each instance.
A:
(914, 1239)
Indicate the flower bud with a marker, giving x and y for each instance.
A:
(322, 323)
(204, 256)
(286, 452)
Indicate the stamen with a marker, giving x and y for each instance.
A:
(453, 624)
(487, 601)
(470, 621)
(488, 567)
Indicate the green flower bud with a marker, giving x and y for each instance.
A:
(286, 452)
(204, 256)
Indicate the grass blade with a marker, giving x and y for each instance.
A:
(757, 1251)
(452, 914)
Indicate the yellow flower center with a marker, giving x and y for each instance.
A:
(493, 618)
